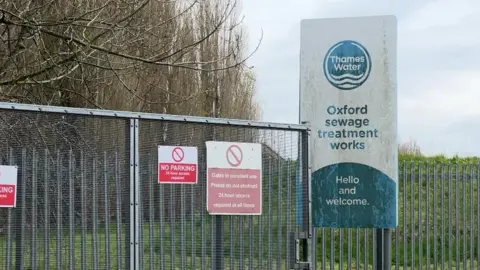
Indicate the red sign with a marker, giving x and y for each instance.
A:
(234, 180)
(234, 191)
(7, 195)
(177, 165)
(8, 186)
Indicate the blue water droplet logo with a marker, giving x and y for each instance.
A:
(347, 65)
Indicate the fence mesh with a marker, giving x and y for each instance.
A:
(176, 230)
(75, 186)
(72, 207)
(75, 190)
(439, 223)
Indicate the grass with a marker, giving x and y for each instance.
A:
(455, 266)
(161, 246)
(439, 222)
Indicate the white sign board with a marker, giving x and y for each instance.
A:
(234, 178)
(8, 186)
(348, 94)
(177, 164)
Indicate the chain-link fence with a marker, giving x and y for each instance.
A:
(89, 198)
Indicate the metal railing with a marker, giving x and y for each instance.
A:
(439, 220)
(88, 196)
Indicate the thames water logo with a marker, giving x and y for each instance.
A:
(347, 65)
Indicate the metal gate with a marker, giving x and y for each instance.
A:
(88, 195)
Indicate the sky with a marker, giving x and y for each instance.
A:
(438, 64)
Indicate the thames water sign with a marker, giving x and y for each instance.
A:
(348, 94)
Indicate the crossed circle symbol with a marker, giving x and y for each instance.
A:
(178, 154)
(234, 155)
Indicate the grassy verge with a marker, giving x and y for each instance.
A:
(439, 222)
(438, 218)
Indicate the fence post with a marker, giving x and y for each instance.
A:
(136, 194)
(20, 211)
(307, 210)
(384, 249)
(129, 170)
(218, 244)
(218, 251)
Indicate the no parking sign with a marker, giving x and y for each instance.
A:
(8, 186)
(177, 164)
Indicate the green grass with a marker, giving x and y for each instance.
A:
(455, 266)
(435, 224)
(158, 248)
(429, 212)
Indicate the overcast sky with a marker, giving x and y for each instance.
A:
(438, 64)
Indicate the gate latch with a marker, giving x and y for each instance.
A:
(299, 249)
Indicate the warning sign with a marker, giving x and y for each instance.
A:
(177, 164)
(8, 186)
(234, 178)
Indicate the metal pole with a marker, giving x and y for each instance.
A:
(128, 204)
(384, 249)
(306, 193)
(136, 194)
(20, 210)
(218, 251)
(218, 242)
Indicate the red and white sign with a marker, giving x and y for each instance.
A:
(234, 178)
(8, 186)
(177, 164)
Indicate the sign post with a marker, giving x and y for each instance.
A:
(348, 94)
(8, 186)
(177, 164)
(234, 178)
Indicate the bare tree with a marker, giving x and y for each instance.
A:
(182, 57)
(410, 148)
(176, 57)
